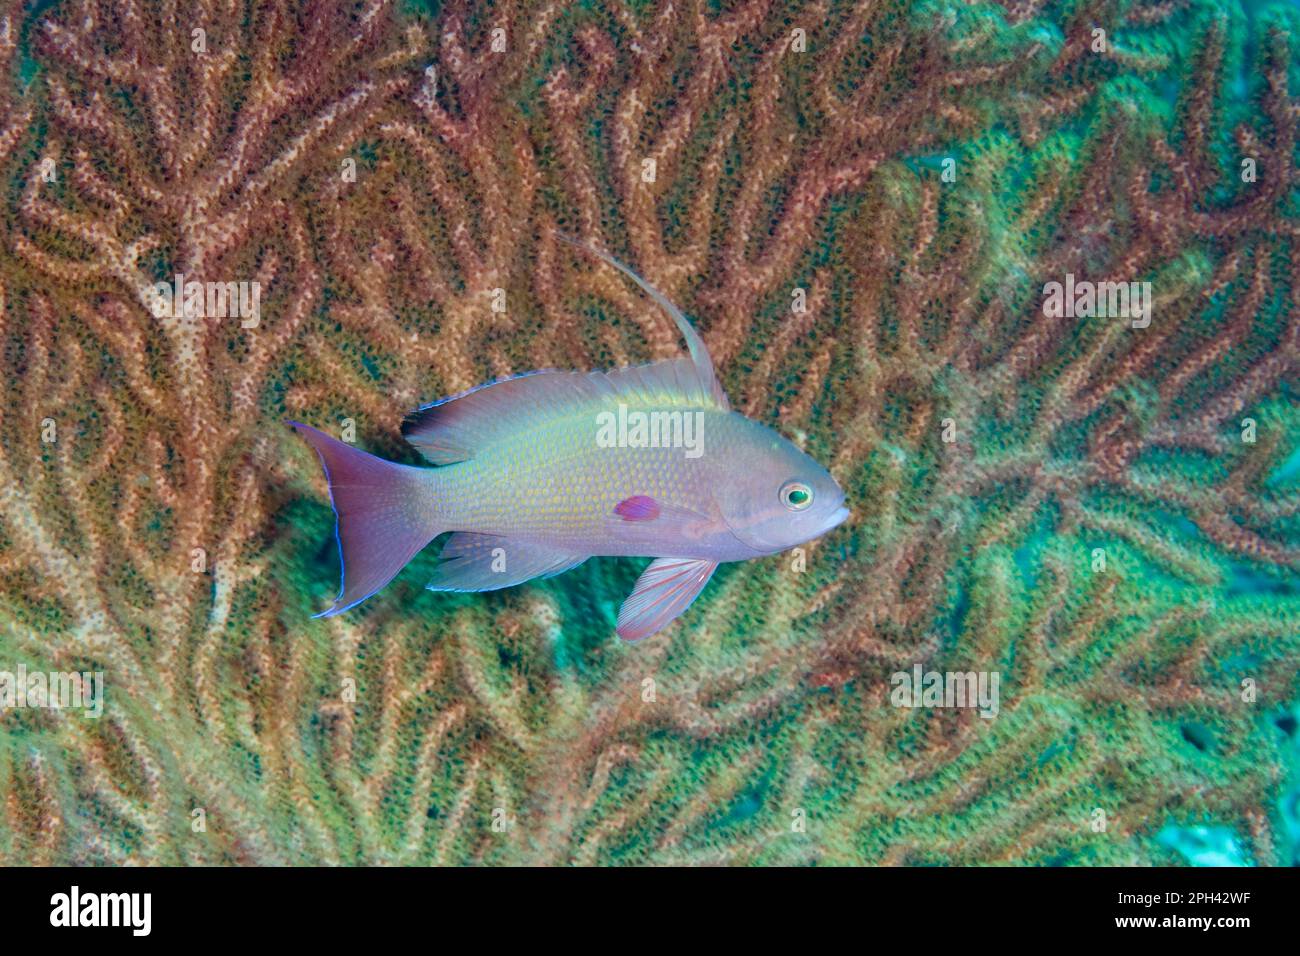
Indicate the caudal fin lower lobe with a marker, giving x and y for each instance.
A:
(384, 515)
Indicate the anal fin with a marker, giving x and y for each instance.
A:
(665, 589)
(486, 562)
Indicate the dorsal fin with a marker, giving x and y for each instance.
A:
(441, 433)
(700, 359)
(453, 428)
(456, 428)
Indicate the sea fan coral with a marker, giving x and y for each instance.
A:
(861, 204)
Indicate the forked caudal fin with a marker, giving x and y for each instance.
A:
(384, 514)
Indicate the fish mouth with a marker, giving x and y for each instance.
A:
(760, 547)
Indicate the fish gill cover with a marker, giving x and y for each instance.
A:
(864, 207)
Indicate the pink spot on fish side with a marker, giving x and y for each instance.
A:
(637, 508)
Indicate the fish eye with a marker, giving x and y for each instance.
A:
(795, 495)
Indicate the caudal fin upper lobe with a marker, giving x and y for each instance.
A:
(384, 515)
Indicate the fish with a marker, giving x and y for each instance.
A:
(535, 473)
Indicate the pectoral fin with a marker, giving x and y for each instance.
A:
(649, 524)
(665, 589)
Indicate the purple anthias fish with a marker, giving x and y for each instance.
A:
(539, 472)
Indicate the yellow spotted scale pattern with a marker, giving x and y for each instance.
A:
(537, 473)
(535, 469)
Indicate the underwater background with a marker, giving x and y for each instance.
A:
(859, 204)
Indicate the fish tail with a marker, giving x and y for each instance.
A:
(384, 515)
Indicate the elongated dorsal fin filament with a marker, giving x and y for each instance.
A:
(699, 352)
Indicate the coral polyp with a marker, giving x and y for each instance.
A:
(872, 211)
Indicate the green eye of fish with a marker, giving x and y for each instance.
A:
(795, 495)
